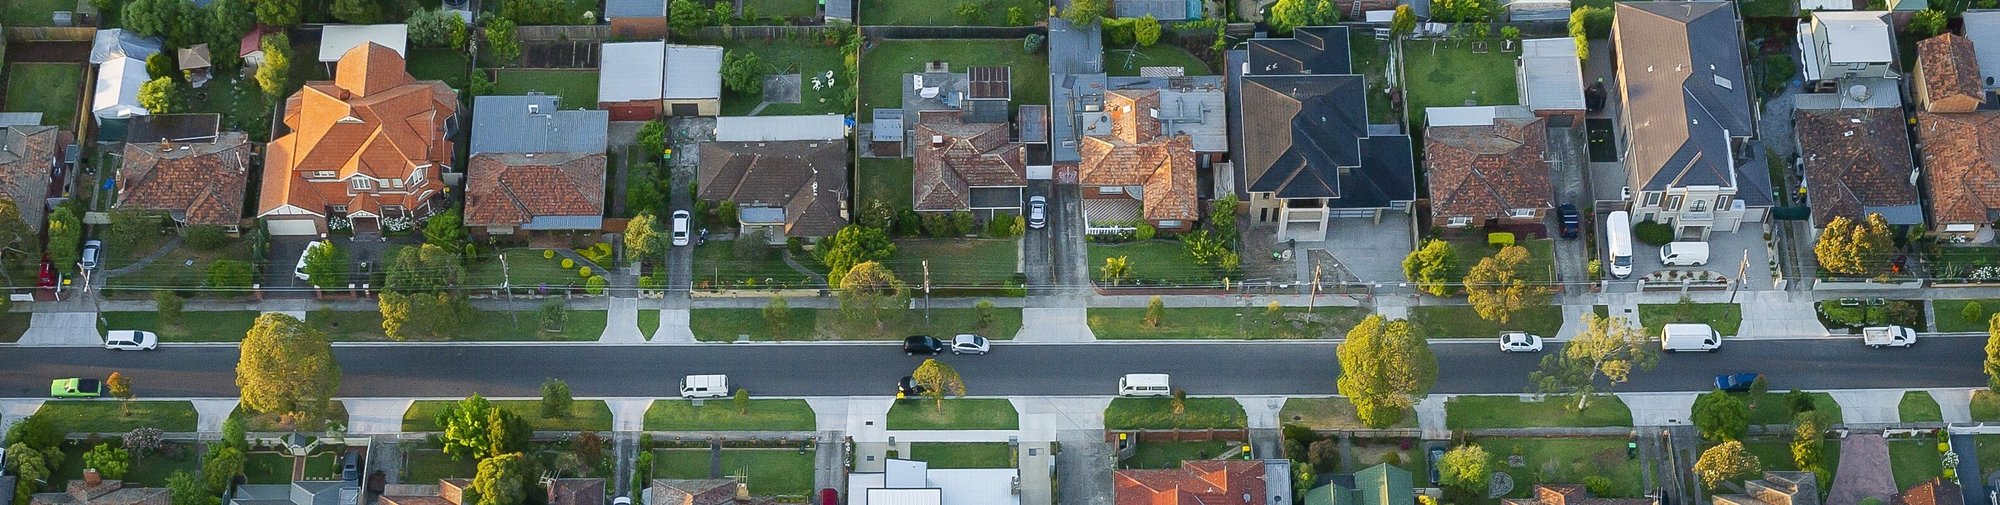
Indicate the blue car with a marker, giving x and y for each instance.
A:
(1737, 382)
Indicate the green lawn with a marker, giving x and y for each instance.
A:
(717, 264)
(955, 262)
(523, 269)
(1119, 61)
(1726, 318)
(486, 325)
(1985, 406)
(780, 472)
(53, 89)
(808, 58)
(242, 106)
(584, 415)
(32, 12)
(224, 326)
(1326, 414)
(959, 414)
(1152, 262)
(577, 87)
(1370, 58)
(1225, 323)
(1566, 460)
(105, 416)
(275, 468)
(649, 322)
(1467, 250)
(1951, 318)
(963, 454)
(150, 472)
(182, 269)
(1771, 409)
(1158, 414)
(1915, 460)
(885, 179)
(1447, 74)
(1776, 453)
(1988, 449)
(13, 325)
(429, 465)
(782, 8)
(1460, 321)
(1919, 407)
(255, 422)
(724, 325)
(445, 64)
(882, 67)
(1476, 412)
(1171, 454)
(721, 415)
(945, 13)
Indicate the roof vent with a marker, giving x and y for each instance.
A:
(534, 108)
(528, 155)
(937, 140)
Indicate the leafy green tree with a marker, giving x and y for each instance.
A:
(868, 288)
(938, 379)
(1466, 468)
(168, 305)
(506, 433)
(982, 315)
(743, 73)
(465, 428)
(1497, 287)
(231, 18)
(503, 480)
(287, 368)
(1156, 311)
(29, 466)
(851, 246)
(1324, 13)
(1972, 312)
(653, 138)
(327, 265)
(427, 268)
(185, 489)
(110, 460)
(1720, 417)
(778, 317)
(423, 316)
(275, 75)
(361, 12)
(686, 15)
(161, 95)
(1084, 12)
(1992, 364)
(1403, 21)
(1928, 22)
(1852, 248)
(501, 43)
(742, 401)
(1724, 462)
(542, 12)
(17, 241)
(277, 13)
(220, 467)
(1611, 348)
(1385, 368)
(722, 13)
(556, 400)
(446, 230)
(1146, 30)
(173, 20)
(229, 274)
(65, 238)
(1428, 265)
(1287, 15)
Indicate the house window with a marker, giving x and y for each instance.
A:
(1698, 206)
(1461, 221)
(392, 209)
(1170, 223)
(1110, 190)
(1721, 203)
(1652, 199)
(323, 174)
(396, 183)
(338, 209)
(1523, 213)
(417, 178)
(1857, 66)
(361, 183)
(1674, 203)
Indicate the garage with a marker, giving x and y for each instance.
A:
(291, 227)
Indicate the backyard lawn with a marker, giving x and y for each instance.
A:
(1120, 61)
(429, 465)
(1152, 262)
(150, 472)
(721, 415)
(1476, 412)
(724, 325)
(222, 326)
(577, 87)
(956, 262)
(963, 454)
(1171, 454)
(1224, 323)
(885, 179)
(808, 58)
(1919, 407)
(1725, 318)
(584, 415)
(1776, 452)
(1951, 315)
(1447, 74)
(1460, 321)
(1915, 460)
(1370, 58)
(32, 12)
(945, 13)
(242, 106)
(53, 89)
(782, 8)
(276, 468)
(105, 416)
(779, 472)
(444, 64)
(959, 414)
(883, 66)
(1326, 414)
(1567, 460)
(1158, 414)
(718, 264)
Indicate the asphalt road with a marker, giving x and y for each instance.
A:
(871, 369)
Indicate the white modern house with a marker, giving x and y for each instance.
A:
(905, 482)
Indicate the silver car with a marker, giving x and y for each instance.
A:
(131, 340)
(1037, 213)
(967, 343)
(93, 250)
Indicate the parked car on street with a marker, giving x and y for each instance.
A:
(131, 340)
(1888, 336)
(681, 225)
(1520, 341)
(908, 387)
(76, 388)
(1736, 382)
(922, 344)
(1571, 222)
(93, 252)
(1037, 212)
(966, 343)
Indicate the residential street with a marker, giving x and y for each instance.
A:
(799, 369)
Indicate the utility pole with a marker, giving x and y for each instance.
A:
(1741, 270)
(927, 291)
(1312, 300)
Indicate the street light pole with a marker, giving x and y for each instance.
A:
(1741, 270)
(927, 291)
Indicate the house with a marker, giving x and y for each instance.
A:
(301, 492)
(1572, 494)
(92, 490)
(336, 40)
(983, 94)
(1982, 27)
(251, 48)
(1681, 155)
(1854, 148)
(966, 166)
(509, 192)
(28, 165)
(1936, 491)
(1382, 484)
(1205, 482)
(1838, 45)
(1948, 76)
(560, 491)
(1775, 488)
(1163, 10)
(637, 19)
(370, 145)
(914, 483)
(1961, 167)
(194, 63)
(194, 183)
(788, 188)
(117, 92)
(780, 128)
(1311, 155)
(1136, 170)
(642, 80)
(887, 132)
(1550, 78)
(532, 123)
(1486, 164)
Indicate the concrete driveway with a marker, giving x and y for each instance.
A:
(1372, 252)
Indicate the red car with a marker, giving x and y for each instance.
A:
(828, 496)
(48, 275)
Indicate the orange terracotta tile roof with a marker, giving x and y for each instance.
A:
(963, 156)
(1232, 482)
(1961, 160)
(196, 183)
(1936, 491)
(510, 189)
(1950, 67)
(1135, 154)
(25, 169)
(1486, 171)
(373, 119)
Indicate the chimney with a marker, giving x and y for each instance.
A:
(91, 478)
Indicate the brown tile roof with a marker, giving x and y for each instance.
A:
(1936, 491)
(1950, 67)
(196, 183)
(576, 492)
(1136, 155)
(692, 492)
(1485, 171)
(1194, 483)
(374, 120)
(1856, 159)
(1961, 161)
(24, 169)
(106, 492)
(1572, 494)
(510, 189)
(806, 178)
(953, 156)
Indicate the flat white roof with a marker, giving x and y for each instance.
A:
(335, 40)
(1826, 5)
(780, 128)
(630, 71)
(1551, 74)
(692, 73)
(1856, 37)
(905, 482)
(1478, 115)
(1982, 27)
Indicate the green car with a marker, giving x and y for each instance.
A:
(76, 388)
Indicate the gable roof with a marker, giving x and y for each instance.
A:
(1485, 171)
(514, 189)
(533, 124)
(362, 123)
(807, 180)
(1936, 491)
(1681, 61)
(693, 72)
(631, 71)
(691, 492)
(1857, 162)
(1950, 68)
(1856, 37)
(1571, 494)
(195, 183)
(953, 156)
(1137, 153)
(1961, 160)
(25, 167)
(1207, 482)
(574, 491)
(1384, 484)
(1315, 143)
(120, 43)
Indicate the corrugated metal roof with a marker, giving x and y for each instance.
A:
(534, 124)
(779, 128)
(635, 8)
(631, 71)
(839, 9)
(1553, 74)
(335, 40)
(1983, 28)
(692, 72)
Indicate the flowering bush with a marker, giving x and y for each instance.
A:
(396, 224)
(1984, 274)
(339, 223)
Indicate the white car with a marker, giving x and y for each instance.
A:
(1037, 212)
(93, 250)
(970, 344)
(300, 270)
(680, 227)
(131, 340)
(1516, 341)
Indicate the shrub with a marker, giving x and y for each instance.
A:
(1799, 401)
(1144, 232)
(1597, 484)
(1973, 312)
(583, 272)
(548, 254)
(595, 285)
(568, 263)
(1653, 233)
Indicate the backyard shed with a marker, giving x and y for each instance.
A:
(115, 43)
(780, 128)
(693, 81)
(630, 87)
(1550, 76)
(335, 40)
(117, 92)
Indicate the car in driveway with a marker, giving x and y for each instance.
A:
(47, 278)
(908, 387)
(76, 388)
(967, 343)
(1436, 454)
(1038, 211)
(1736, 382)
(1520, 341)
(922, 344)
(1571, 223)
(93, 253)
(131, 340)
(299, 271)
(681, 224)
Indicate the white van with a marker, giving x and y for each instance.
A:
(1677, 254)
(705, 386)
(1618, 240)
(1689, 337)
(1144, 384)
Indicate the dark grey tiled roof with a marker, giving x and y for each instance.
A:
(1311, 50)
(1681, 62)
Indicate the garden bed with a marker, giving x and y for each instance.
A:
(1532, 460)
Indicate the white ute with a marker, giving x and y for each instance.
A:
(1888, 336)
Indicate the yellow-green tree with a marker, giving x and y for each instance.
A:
(1385, 368)
(938, 379)
(1497, 287)
(1115, 269)
(1427, 267)
(121, 388)
(870, 287)
(1855, 248)
(1725, 461)
(1608, 347)
(287, 368)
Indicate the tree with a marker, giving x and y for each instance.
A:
(1428, 265)
(501, 43)
(982, 315)
(868, 288)
(110, 461)
(853, 245)
(326, 265)
(1180, 401)
(275, 75)
(1156, 310)
(743, 73)
(220, 467)
(1466, 468)
(287, 368)
(1460, 11)
(686, 15)
(778, 317)
(446, 230)
(229, 274)
(1720, 417)
(17, 241)
(184, 489)
(642, 238)
(1403, 22)
(120, 387)
(1146, 30)
(423, 316)
(277, 14)
(1928, 22)
(233, 433)
(1972, 312)
(555, 398)
(503, 480)
(1289, 14)
(161, 95)
(1115, 269)
(742, 401)
(1385, 368)
(938, 379)
(1809, 442)
(1324, 13)
(426, 268)
(168, 305)
(359, 12)
(1992, 364)
(65, 238)
(554, 316)
(465, 427)
(1607, 347)
(542, 12)
(1851, 248)
(1724, 462)
(722, 13)
(144, 441)
(29, 466)
(173, 20)
(1497, 287)
(433, 27)
(1083, 12)
(505, 433)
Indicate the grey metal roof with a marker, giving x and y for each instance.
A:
(1074, 50)
(1069, 96)
(1033, 123)
(777, 128)
(1552, 74)
(635, 9)
(113, 43)
(564, 223)
(693, 72)
(1982, 27)
(20, 118)
(1164, 10)
(630, 71)
(533, 124)
(1695, 92)
(888, 125)
(1192, 106)
(761, 215)
(839, 9)
(1311, 137)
